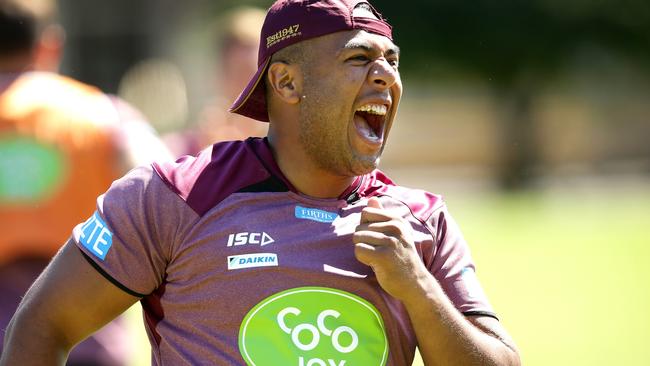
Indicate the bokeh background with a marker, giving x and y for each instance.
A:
(531, 117)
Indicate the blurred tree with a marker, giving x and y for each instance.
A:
(515, 46)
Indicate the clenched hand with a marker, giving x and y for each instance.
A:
(384, 242)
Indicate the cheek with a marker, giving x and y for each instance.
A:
(398, 87)
(331, 95)
(355, 77)
(342, 82)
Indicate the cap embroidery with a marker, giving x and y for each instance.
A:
(281, 35)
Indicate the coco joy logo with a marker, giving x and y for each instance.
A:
(313, 326)
(314, 332)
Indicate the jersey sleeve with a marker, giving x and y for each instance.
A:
(454, 268)
(131, 236)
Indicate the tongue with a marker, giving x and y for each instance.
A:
(364, 128)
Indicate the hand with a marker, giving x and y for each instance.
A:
(384, 242)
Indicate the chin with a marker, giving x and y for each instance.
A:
(364, 166)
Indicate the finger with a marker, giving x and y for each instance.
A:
(371, 214)
(390, 228)
(365, 253)
(375, 211)
(375, 239)
(375, 203)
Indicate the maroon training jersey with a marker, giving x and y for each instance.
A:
(235, 267)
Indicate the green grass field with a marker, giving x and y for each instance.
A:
(566, 270)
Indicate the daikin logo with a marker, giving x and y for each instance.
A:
(244, 238)
(252, 260)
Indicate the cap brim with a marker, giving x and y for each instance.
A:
(252, 100)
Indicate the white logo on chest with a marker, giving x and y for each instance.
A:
(244, 238)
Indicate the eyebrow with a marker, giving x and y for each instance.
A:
(392, 51)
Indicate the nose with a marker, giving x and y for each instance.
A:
(382, 74)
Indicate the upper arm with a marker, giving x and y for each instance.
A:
(71, 299)
(454, 267)
(111, 260)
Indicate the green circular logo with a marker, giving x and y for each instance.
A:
(313, 326)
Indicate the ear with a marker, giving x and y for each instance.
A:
(285, 81)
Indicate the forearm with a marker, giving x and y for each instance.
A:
(66, 303)
(29, 341)
(446, 337)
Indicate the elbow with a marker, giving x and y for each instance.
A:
(515, 360)
(511, 357)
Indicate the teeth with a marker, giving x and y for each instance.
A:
(378, 109)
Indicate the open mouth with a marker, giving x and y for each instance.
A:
(369, 120)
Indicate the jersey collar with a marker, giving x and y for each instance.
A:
(262, 149)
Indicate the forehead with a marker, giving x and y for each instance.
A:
(354, 39)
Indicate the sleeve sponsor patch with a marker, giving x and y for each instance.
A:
(96, 237)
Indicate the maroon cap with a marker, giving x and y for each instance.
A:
(292, 21)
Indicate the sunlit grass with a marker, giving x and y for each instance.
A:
(567, 272)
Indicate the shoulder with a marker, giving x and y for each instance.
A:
(54, 81)
(50, 99)
(50, 90)
(421, 203)
(218, 171)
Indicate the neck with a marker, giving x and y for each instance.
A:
(303, 173)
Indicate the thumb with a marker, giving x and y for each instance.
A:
(374, 203)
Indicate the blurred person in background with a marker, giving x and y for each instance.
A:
(237, 41)
(61, 144)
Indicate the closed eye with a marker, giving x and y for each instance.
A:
(360, 58)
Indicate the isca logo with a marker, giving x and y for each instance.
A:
(313, 326)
